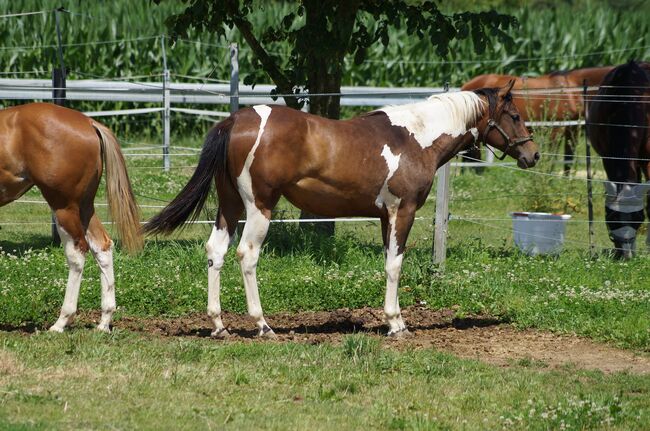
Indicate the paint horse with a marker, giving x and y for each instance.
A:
(61, 151)
(618, 126)
(542, 98)
(380, 164)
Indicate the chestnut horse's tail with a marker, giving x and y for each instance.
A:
(121, 201)
(190, 201)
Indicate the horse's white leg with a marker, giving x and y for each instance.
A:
(101, 247)
(397, 229)
(248, 252)
(216, 249)
(76, 259)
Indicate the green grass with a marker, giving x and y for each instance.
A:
(573, 292)
(86, 380)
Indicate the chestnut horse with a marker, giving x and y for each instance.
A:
(531, 95)
(618, 124)
(379, 164)
(60, 151)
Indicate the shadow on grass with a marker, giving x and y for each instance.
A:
(30, 241)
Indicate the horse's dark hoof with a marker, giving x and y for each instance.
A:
(267, 332)
(400, 334)
(220, 333)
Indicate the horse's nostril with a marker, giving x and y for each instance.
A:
(536, 156)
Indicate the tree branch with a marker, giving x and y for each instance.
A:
(283, 83)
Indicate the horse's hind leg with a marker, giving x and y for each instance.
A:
(224, 227)
(248, 250)
(101, 247)
(71, 231)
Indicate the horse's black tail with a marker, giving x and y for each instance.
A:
(190, 201)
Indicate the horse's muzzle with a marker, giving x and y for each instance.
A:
(526, 161)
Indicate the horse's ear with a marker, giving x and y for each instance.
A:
(503, 91)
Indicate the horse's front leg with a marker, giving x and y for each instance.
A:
(395, 228)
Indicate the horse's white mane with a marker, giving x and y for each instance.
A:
(464, 106)
(447, 113)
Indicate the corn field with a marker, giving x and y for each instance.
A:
(548, 38)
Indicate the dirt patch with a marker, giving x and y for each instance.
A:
(478, 337)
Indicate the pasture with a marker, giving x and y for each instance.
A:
(501, 340)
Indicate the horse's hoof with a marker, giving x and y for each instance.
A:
(220, 333)
(57, 329)
(401, 333)
(106, 329)
(267, 332)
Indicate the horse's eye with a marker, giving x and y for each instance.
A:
(515, 117)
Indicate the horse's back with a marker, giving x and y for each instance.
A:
(50, 144)
(610, 120)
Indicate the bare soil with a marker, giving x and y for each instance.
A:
(478, 337)
(482, 338)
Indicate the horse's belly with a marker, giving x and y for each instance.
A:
(12, 187)
(318, 197)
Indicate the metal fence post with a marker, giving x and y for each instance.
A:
(166, 107)
(234, 78)
(442, 215)
(590, 200)
(58, 96)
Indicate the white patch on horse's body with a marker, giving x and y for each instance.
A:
(474, 131)
(448, 114)
(244, 181)
(257, 225)
(392, 160)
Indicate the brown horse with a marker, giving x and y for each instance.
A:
(617, 126)
(538, 98)
(380, 164)
(60, 151)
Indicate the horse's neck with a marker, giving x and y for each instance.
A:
(592, 75)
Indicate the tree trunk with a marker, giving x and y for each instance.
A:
(325, 69)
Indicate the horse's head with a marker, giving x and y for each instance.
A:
(502, 127)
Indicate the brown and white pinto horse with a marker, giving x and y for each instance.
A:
(380, 164)
(532, 98)
(618, 124)
(60, 151)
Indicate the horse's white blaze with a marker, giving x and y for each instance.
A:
(393, 268)
(216, 249)
(244, 181)
(448, 114)
(392, 160)
(255, 229)
(76, 260)
(104, 259)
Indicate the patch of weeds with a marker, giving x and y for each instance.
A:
(337, 390)
(416, 422)
(187, 352)
(240, 377)
(360, 347)
(573, 413)
(528, 362)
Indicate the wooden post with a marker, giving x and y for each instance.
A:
(234, 78)
(442, 216)
(166, 107)
(590, 202)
